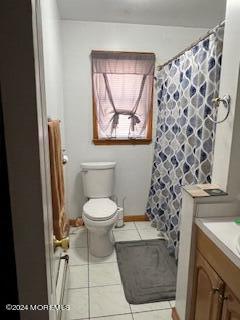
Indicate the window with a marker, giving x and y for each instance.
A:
(122, 97)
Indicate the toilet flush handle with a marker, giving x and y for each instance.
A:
(84, 170)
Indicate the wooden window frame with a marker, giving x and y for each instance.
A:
(130, 141)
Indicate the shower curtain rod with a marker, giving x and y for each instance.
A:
(191, 45)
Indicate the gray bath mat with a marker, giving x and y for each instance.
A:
(147, 271)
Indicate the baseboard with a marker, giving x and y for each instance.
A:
(175, 315)
(142, 217)
(77, 222)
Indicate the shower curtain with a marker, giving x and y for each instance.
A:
(183, 151)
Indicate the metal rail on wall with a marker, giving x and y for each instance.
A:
(193, 44)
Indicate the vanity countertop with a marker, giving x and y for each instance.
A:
(224, 232)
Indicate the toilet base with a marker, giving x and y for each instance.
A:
(100, 235)
(101, 245)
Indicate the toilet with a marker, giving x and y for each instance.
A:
(99, 212)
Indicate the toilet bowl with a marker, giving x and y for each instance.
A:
(99, 216)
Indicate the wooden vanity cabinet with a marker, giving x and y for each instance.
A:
(208, 286)
(231, 306)
(216, 284)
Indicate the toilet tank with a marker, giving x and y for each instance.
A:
(98, 179)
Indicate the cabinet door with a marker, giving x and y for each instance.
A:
(207, 293)
(231, 306)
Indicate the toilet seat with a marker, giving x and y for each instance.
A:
(100, 209)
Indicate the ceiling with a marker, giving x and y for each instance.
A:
(186, 13)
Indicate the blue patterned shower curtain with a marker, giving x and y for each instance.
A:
(184, 144)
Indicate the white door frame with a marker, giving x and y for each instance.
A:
(25, 124)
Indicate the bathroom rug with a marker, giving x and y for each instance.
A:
(147, 271)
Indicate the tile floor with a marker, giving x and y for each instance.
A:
(95, 289)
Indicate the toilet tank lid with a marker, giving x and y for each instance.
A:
(98, 165)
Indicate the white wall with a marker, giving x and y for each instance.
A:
(226, 171)
(133, 171)
(53, 63)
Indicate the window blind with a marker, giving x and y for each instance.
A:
(122, 87)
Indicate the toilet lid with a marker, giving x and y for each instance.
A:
(100, 209)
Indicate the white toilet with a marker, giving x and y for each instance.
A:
(99, 212)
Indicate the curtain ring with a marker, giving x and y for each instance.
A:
(226, 103)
